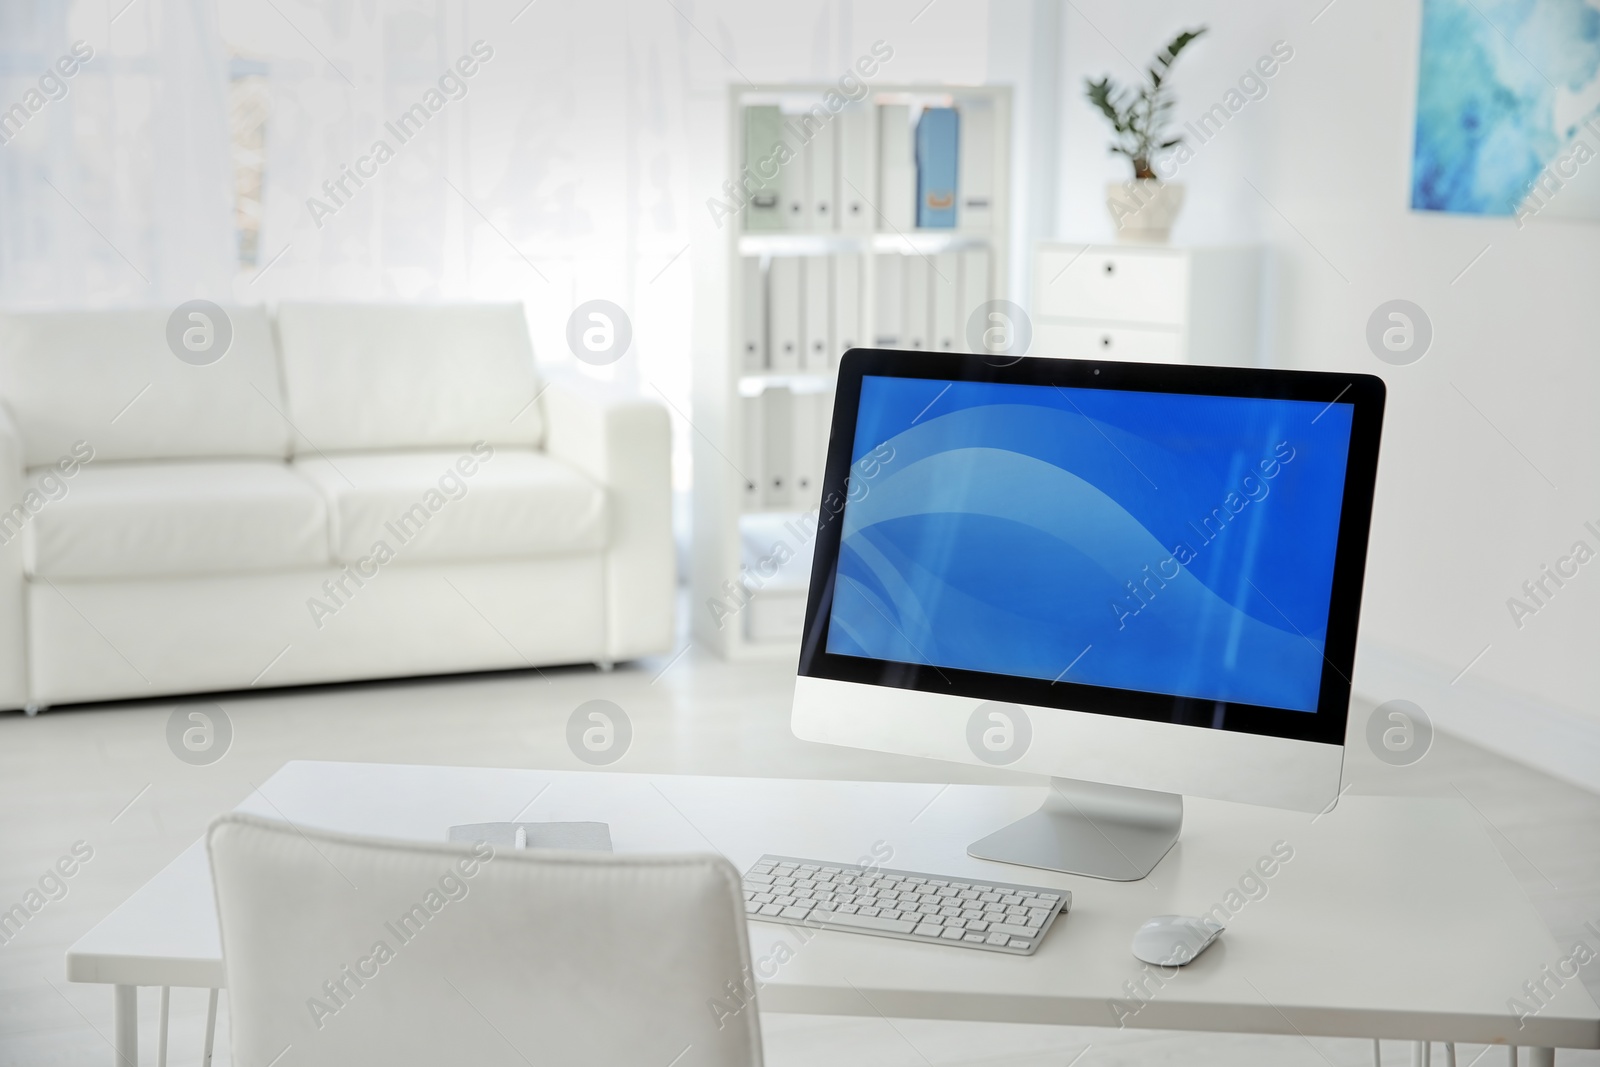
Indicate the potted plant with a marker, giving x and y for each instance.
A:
(1144, 208)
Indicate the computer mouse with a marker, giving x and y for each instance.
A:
(1174, 940)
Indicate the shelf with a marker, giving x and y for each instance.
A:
(912, 242)
(878, 267)
(755, 384)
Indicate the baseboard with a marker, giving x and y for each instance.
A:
(1529, 729)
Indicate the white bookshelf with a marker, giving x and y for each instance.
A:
(721, 377)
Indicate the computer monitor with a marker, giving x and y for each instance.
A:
(1142, 580)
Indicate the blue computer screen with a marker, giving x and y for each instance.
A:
(1161, 542)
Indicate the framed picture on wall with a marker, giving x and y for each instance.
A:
(1508, 109)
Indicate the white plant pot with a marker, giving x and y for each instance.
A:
(1143, 209)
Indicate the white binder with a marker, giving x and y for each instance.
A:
(946, 309)
(819, 314)
(751, 463)
(823, 157)
(797, 183)
(975, 181)
(753, 316)
(763, 132)
(807, 489)
(855, 212)
(889, 301)
(783, 310)
(846, 307)
(975, 292)
(918, 324)
(897, 168)
(777, 446)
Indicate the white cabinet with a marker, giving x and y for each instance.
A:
(1156, 304)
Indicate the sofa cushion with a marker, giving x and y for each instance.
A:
(457, 505)
(126, 520)
(108, 378)
(385, 376)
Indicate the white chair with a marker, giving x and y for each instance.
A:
(352, 950)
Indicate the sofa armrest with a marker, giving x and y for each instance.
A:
(624, 442)
(13, 643)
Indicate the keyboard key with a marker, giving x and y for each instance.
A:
(977, 924)
(952, 934)
(796, 911)
(887, 913)
(1011, 900)
(1014, 931)
(759, 879)
(752, 908)
(873, 922)
(989, 898)
(999, 940)
(1027, 893)
(930, 930)
(764, 898)
(771, 909)
(1050, 897)
(974, 939)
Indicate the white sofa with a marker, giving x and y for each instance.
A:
(365, 491)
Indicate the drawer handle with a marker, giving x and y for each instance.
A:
(1105, 341)
(1111, 268)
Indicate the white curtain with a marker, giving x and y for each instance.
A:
(117, 188)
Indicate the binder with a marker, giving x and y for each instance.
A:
(797, 188)
(889, 301)
(975, 182)
(751, 464)
(916, 303)
(807, 468)
(897, 172)
(946, 307)
(855, 212)
(763, 132)
(823, 158)
(753, 316)
(777, 446)
(846, 307)
(819, 314)
(975, 292)
(937, 161)
(783, 311)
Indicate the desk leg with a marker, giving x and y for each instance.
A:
(1541, 1057)
(125, 1024)
(161, 1039)
(211, 1029)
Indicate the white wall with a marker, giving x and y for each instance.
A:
(1465, 512)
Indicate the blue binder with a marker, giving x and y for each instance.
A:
(938, 162)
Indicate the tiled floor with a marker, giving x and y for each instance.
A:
(105, 776)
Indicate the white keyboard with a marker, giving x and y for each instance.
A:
(997, 916)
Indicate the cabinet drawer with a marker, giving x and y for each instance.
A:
(1091, 341)
(1128, 287)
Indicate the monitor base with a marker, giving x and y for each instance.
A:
(1100, 831)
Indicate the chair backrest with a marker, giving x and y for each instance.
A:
(363, 950)
(113, 379)
(382, 376)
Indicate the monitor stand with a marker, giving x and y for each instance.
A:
(1102, 831)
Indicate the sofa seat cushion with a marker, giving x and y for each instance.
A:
(462, 504)
(128, 520)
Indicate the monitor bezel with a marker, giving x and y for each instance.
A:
(1364, 392)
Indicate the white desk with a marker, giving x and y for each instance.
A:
(1394, 919)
